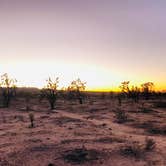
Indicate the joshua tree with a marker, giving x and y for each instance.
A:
(147, 89)
(50, 91)
(8, 89)
(75, 89)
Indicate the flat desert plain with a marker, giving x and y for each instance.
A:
(99, 132)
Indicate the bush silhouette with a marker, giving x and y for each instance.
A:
(50, 92)
(8, 89)
(147, 89)
(133, 92)
(75, 90)
(31, 118)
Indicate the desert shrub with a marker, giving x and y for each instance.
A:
(157, 130)
(8, 89)
(31, 118)
(75, 90)
(80, 155)
(133, 149)
(120, 116)
(147, 89)
(134, 93)
(125, 88)
(137, 150)
(50, 92)
(149, 144)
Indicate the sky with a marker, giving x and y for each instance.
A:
(103, 42)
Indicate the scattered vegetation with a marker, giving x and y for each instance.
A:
(31, 118)
(149, 144)
(50, 92)
(80, 155)
(7, 88)
(147, 89)
(75, 90)
(137, 150)
(134, 149)
(120, 116)
(157, 129)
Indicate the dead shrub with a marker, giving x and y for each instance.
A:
(120, 116)
(133, 149)
(80, 155)
(31, 118)
(149, 144)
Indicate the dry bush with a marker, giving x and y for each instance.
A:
(80, 155)
(50, 92)
(137, 150)
(7, 89)
(120, 116)
(157, 130)
(75, 90)
(31, 118)
(149, 144)
(132, 149)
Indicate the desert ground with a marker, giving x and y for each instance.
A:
(88, 134)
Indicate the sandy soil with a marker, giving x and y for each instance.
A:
(91, 128)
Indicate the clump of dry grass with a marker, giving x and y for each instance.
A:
(137, 150)
(149, 144)
(31, 118)
(120, 116)
(157, 130)
(80, 155)
(132, 149)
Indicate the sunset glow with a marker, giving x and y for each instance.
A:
(100, 42)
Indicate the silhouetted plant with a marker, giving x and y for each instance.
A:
(125, 88)
(149, 144)
(50, 91)
(31, 118)
(147, 89)
(133, 149)
(120, 115)
(134, 93)
(8, 89)
(75, 90)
